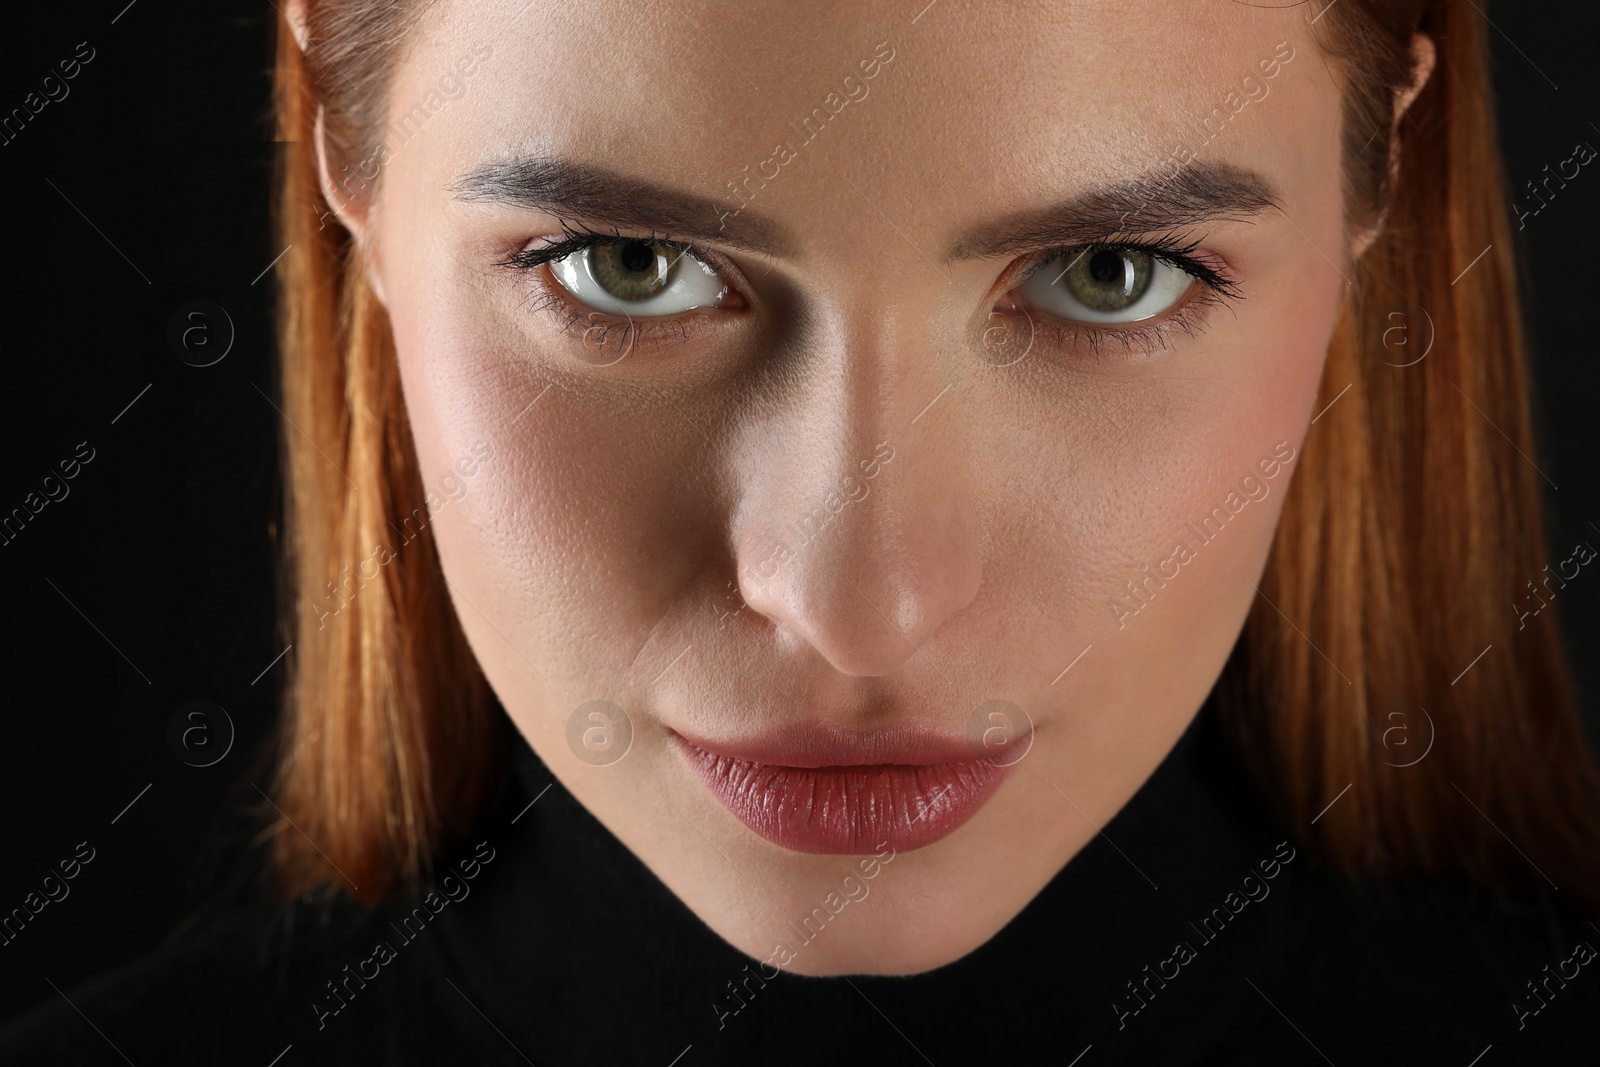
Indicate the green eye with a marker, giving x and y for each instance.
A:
(1110, 279)
(1098, 284)
(639, 279)
(633, 270)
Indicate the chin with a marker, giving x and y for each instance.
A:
(900, 948)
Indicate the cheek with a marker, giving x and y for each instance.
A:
(1160, 544)
(586, 520)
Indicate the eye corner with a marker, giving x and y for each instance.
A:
(623, 275)
(1160, 289)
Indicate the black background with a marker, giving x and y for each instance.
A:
(151, 584)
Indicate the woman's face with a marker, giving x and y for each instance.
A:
(897, 527)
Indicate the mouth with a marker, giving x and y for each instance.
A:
(851, 795)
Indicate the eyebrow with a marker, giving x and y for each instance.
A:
(1202, 191)
(569, 189)
(1198, 192)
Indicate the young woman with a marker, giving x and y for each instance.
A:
(829, 532)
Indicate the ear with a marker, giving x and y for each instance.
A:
(1424, 57)
(350, 200)
(294, 12)
(351, 207)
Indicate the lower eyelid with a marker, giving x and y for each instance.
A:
(602, 329)
(1188, 317)
(593, 326)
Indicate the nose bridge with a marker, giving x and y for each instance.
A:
(857, 532)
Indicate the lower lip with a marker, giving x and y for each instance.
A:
(848, 810)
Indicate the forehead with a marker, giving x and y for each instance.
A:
(910, 111)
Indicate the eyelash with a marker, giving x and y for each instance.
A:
(1217, 289)
(576, 239)
(549, 296)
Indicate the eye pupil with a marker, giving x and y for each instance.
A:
(637, 256)
(1106, 267)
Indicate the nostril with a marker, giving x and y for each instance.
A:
(860, 626)
(866, 556)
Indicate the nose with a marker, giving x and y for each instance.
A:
(856, 531)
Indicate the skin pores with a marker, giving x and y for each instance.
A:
(621, 542)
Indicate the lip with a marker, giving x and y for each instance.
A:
(824, 792)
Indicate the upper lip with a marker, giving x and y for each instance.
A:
(811, 745)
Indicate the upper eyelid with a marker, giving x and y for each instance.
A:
(1160, 249)
(1174, 248)
(582, 239)
(1206, 269)
(573, 239)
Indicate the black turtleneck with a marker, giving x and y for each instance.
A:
(1189, 932)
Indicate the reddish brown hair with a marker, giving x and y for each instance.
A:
(387, 742)
(1414, 524)
(1411, 528)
